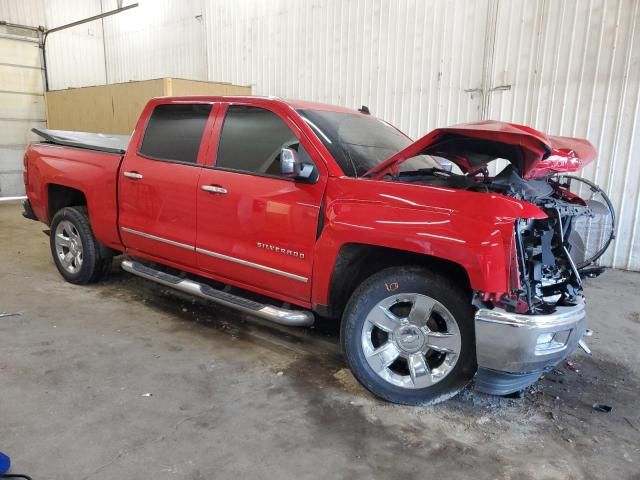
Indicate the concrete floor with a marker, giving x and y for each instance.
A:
(232, 397)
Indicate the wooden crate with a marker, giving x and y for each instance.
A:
(115, 108)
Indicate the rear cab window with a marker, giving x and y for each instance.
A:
(174, 132)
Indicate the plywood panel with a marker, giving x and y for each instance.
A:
(116, 108)
(107, 108)
(179, 86)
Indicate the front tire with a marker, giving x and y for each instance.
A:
(408, 336)
(74, 248)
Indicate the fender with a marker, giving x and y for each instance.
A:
(471, 229)
(92, 173)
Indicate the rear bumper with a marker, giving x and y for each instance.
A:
(513, 350)
(28, 211)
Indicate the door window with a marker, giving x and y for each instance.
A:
(251, 141)
(174, 132)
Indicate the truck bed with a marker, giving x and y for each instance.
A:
(101, 142)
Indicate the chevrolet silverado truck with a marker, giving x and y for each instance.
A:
(453, 257)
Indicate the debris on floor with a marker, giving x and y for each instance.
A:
(571, 366)
(601, 407)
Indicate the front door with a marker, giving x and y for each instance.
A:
(255, 226)
(158, 182)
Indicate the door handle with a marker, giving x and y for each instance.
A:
(213, 189)
(134, 175)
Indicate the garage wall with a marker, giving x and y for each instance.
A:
(75, 57)
(21, 103)
(565, 67)
(160, 38)
(569, 67)
(574, 69)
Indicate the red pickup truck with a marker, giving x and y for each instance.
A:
(439, 270)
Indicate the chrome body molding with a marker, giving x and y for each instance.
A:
(282, 316)
(518, 344)
(221, 256)
(258, 266)
(157, 239)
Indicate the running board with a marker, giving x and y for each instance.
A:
(292, 318)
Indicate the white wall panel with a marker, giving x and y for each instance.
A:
(21, 101)
(75, 57)
(573, 66)
(394, 57)
(23, 12)
(574, 70)
(159, 38)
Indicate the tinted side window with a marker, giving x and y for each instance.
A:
(251, 141)
(174, 132)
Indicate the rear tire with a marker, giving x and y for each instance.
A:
(408, 336)
(74, 248)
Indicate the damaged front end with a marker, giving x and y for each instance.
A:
(541, 319)
(556, 252)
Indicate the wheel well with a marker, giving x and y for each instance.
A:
(61, 196)
(356, 262)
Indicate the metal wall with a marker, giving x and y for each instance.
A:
(566, 67)
(24, 12)
(160, 38)
(569, 67)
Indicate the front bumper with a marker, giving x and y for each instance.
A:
(513, 349)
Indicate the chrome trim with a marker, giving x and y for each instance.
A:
(507, 342)
(134, 175)
(253, 265)
(158, 239)
(561, 315)
(282, 316)
(213, 189)
(217, 255)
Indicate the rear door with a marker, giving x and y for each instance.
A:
(158, 180)
(256, 227)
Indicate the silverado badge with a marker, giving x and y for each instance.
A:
(284, 251)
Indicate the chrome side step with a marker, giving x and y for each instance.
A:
(292, 318)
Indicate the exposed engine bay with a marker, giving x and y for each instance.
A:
(554, 253)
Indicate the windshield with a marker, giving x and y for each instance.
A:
(359, 142)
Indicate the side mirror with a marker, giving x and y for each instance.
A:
(291, 166)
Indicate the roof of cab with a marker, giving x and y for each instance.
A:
(296, 104)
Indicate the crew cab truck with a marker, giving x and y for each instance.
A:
(296, 211)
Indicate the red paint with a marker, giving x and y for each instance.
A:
(474, 230)
(542, 155)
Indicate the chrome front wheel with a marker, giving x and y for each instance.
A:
(411, 340)
(407, 334)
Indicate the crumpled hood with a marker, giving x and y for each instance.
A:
(474, 145)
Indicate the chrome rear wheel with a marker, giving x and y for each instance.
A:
(68, 245)
(78, 256)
